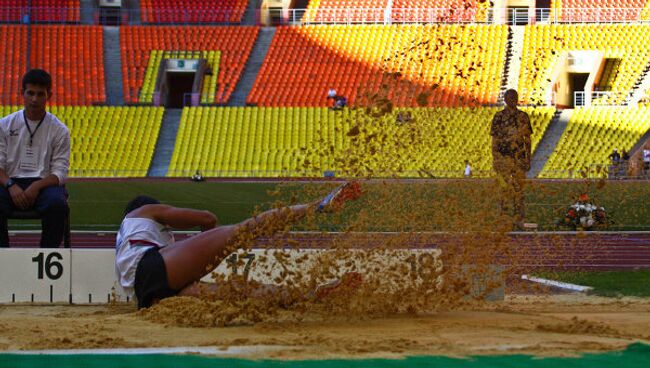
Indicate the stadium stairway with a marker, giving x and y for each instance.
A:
(251, 15)
(88, 8)
(645, 139)
(252, 68)
(516, 46)
(642, 88)
(113, 66)
(549, 141)
(136, 17)
(162, 155)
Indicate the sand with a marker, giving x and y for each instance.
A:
(560, 325)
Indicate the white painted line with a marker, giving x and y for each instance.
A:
(559, 284)
(203, 350)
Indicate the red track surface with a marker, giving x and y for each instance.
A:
(589, 251)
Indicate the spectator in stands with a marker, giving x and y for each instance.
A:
(511, 153)
(468, 169)
(404, 117)
(34, 160)
(615, 157)
(625, 157)
(625, 163)
(151, 265)
(615, 167)
(331, 93)
(340, 102)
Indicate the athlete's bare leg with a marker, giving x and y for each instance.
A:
(187, 261)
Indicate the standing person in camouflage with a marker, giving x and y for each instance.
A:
(511, 153)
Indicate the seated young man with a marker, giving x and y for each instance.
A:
(151, 265)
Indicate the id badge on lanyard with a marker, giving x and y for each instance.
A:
(29, 157)
(30, 152)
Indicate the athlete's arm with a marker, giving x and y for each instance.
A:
(179, 218)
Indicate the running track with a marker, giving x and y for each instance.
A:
(566, 250)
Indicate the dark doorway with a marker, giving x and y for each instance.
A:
(178, 84)
(577, 82)
(110, 16)
(300, 4)
(542, 10)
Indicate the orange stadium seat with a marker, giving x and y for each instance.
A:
(439, 10)
(334, 11)
(72, 54)
(234, 42)
(191, 11)
(444, 65)
(599, 10)
(340, 11)
(41, 10)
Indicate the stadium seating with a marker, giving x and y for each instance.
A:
(599, 10)
(645, 14)
(73, 55)
(108, 141)
(233, 42)
(450, 65)
(50, 11)
(591, 135)
(545, 43)
(13, 39)
(273, 142)
(338, 11)
(440, 10)
(192, 11)
(352, 11)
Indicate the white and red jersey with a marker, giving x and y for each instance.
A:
(135, 238)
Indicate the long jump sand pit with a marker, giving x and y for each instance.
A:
(553, 325)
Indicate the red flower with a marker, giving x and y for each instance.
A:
(583, 197)
(572, 213)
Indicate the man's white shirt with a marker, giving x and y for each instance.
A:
(25, 156)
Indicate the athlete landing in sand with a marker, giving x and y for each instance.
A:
(151, 265)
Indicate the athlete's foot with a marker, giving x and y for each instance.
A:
(347, 283)
(349, 191)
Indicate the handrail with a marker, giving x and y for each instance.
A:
(602, 98)
(315, 16)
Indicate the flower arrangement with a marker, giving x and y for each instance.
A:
(584, 215)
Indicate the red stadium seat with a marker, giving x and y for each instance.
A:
(73, 55)
(191, 11)
(49, 11)
(601, 10)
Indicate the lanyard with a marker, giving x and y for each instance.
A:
(31, 134)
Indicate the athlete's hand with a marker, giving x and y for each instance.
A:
(18, 197)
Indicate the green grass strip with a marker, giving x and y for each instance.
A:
(608, 283)
(98, 205)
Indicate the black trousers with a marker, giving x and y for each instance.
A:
(51, 204)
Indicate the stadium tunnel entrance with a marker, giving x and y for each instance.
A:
(180, 82)
(576, 76)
